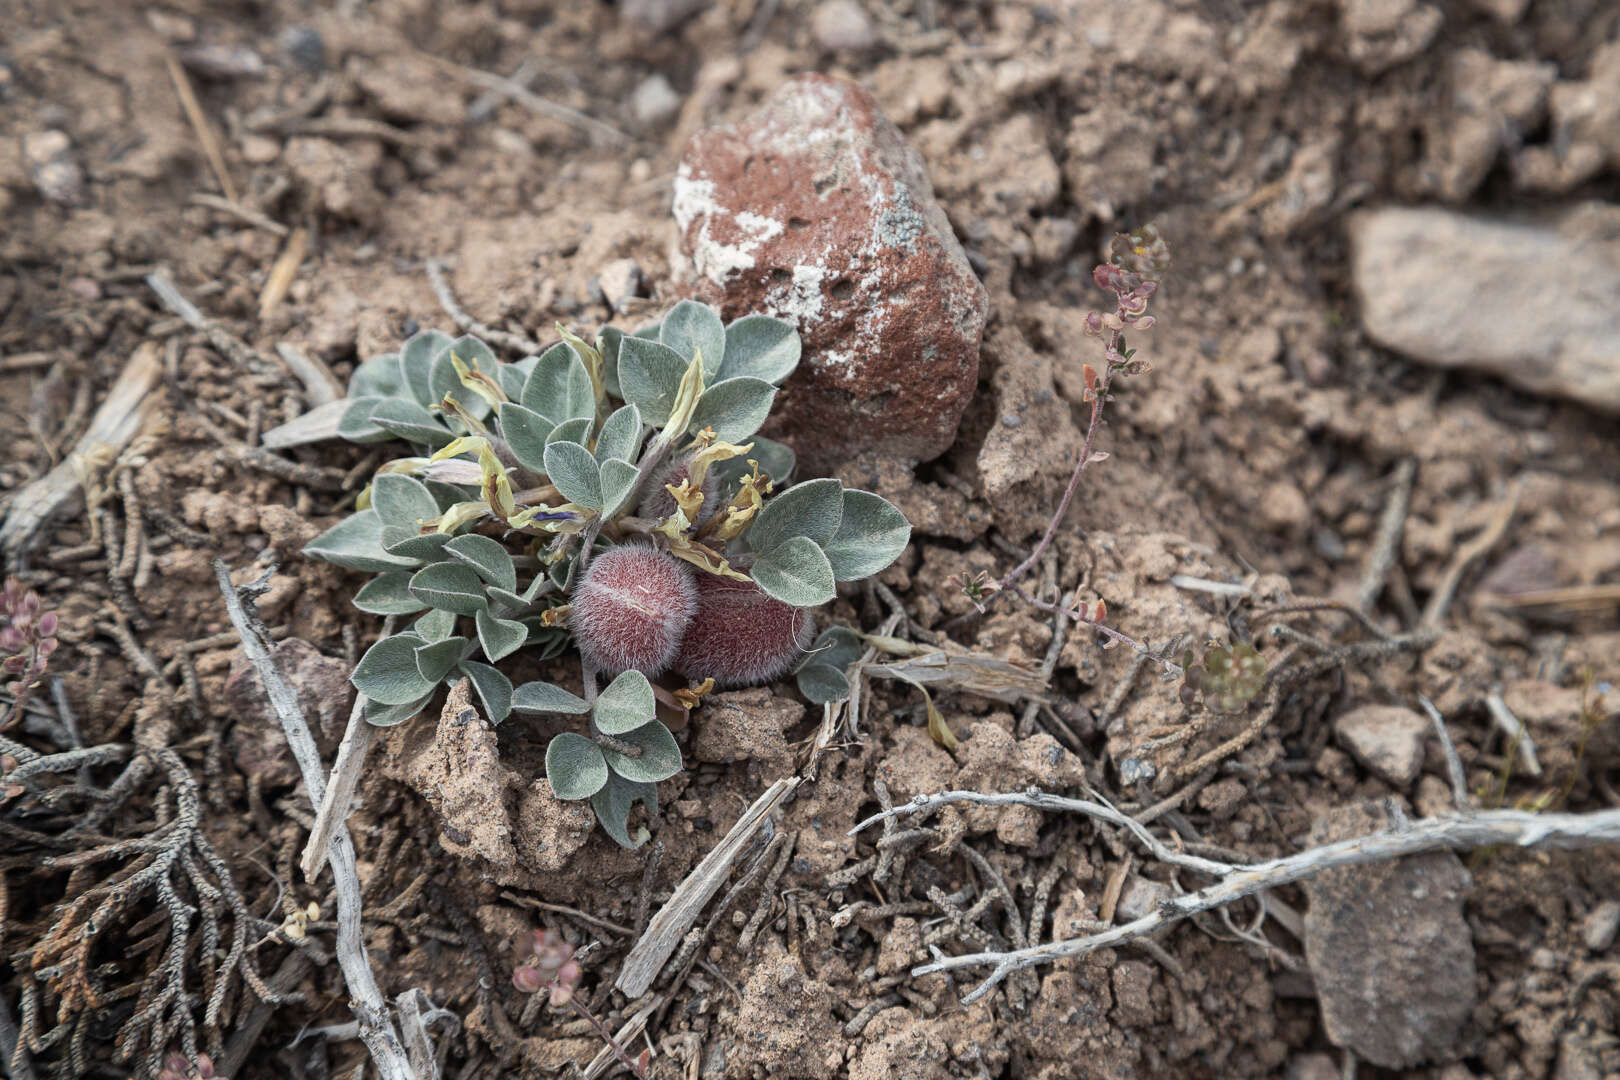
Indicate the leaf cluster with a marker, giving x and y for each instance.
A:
(520, 471)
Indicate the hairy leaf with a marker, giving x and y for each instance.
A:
(403, 501)
(625, 705)
(450, 586)
(388, 594)
(559, 386)
(761, 347)
(405, 419)
(575, 473)
(387, 673)
(494, 689)
(870, 536)
(796, 572)
(650, 375)
(437, 659)
(416, 358)
(436, 625)
(575, 768)
(487, 557)
(355, 424)
(379, 715)
(543, 697)
(621, 435)
(691, 327)
(355, 543)
(500, 638)
(443, 379)
(822, 683)
(734, 408)
(574, 431)
(526, 432)
(660, 757)
(812, 509)
(378, 377)
(618, 484)
(613, 803)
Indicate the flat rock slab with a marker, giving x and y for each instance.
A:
(1390, 951)
(1386, 739)
(1533, 304)
(816, 210)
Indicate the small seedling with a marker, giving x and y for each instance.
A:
(1226, 677)
(546, 963)
(26, 644)
(612, 497)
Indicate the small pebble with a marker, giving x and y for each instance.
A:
(654, 100)
(841, 24)
(1598, 928)
(1012, 420)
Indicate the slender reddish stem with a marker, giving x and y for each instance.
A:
(1106, 631)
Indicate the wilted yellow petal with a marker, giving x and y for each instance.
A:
(698, 467)
(479, 383)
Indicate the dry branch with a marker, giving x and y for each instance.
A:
(1466, 832)
(366, 999)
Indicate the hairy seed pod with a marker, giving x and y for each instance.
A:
(631, 608)
(740, 636)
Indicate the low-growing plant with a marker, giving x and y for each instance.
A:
(27, 641)
(612, 497)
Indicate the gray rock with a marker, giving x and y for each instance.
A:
(1386, 739)
(1599, 927)
(1529, 303)
(620, 282)
(661, 15)
(51, 165)
(841, 24)
(1141, 897)
(1389, 948)
(654, 100)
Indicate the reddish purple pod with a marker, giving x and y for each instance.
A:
(740, 636)
(631, 608)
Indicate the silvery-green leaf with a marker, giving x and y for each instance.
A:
(822, 683)
(416, 358)
(403, 501)
(575, 768)
(388, 594)
(562, 573)
(500, 638)
(492, 562)
(813, 508)
(444, 380)
(574, 431)
(775, 460)
(621, 435)
(761, 346)
(575, 473)
(735, 408)
(526, 432)
(660, 757)
(650, 375)
(559, 386)
(378, 377)
(316, 425)
(387, 672)
(355, 543)
(447, 494)
(355, 424)
(607, 343)
(613, 803)
(836, 646)
(691, 326)
(510, 601)
(450, 586)
(379, 715)
(513, 378)
(795, 572)
(648, 332)
(543, 697)
(870, 536)
(618, 482)
(625, 705)
(410, 544)
(436, 625)
(405, 419)
(436, 659)
(494, 689)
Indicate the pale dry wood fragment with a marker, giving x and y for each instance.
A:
(665, 930)
(129, 403)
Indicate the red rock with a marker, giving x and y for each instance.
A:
(815, 209)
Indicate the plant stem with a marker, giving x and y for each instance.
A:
(1075, 613)
(607, 1037)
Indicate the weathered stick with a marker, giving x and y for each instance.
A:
(1465, 832)
(678, 914)
(366, 999)
(334, 806)
(118, 420)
